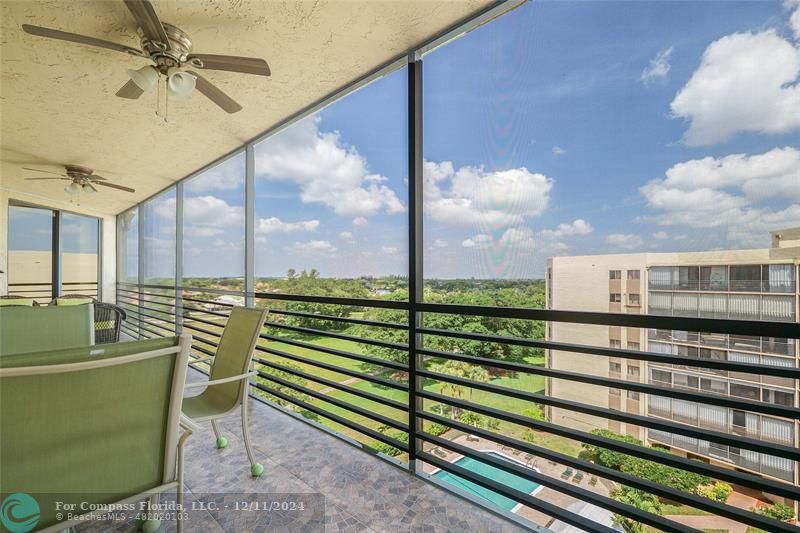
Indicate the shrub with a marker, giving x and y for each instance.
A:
(719, 491)
(639, 499)
(778, 511)
(468, 417)
(437, 429)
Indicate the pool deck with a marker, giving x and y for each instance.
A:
(548, 468)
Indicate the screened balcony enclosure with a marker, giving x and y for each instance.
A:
(525, 265)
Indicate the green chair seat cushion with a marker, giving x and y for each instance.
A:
(105, 324)
(73, 301)
(24, 302)
(208, 404)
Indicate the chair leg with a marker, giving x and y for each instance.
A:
(256, 469)
(152, 525)
(221, 441)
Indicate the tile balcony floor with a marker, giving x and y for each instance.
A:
(361, 492)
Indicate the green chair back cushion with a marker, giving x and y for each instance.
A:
(23, 302)
(34, 329)
(73, 301)
(234, 353)
(95, 435)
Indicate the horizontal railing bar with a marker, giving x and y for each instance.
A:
(334, 368)
(205, 341)
(351, 302)
(336, 418)
(226, 292)
(141, 302)
(336, 385)
(385, 420)
(153, 294)
(201, 330)
(341, 353)
(558, 512)
(710, 325)
(779, 450)
(129, 329)
(204, 321)
(389, 325)
(47, 283)
(140, 315)
(564, 487)
(172, 333)
(748, 480)
(145, 285)
(593, 468)
(793, 373)
(645, 388)
(205, 311)
(139, 312)
(342, 336)
(210, 302)
(122, 303)
(203, 350)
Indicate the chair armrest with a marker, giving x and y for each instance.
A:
(213, 382)
(188, 423)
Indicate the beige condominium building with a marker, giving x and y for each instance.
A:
(757, 284)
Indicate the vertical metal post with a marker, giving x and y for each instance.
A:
(415, 275)
(250, 225)
(55, 289)
(99, 286)
(141, 264)
(179, 258)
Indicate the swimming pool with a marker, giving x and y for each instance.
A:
(491, 472)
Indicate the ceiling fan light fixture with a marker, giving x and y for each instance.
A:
(72, 188)
(87, 188)
(180, 84)
(145, 78)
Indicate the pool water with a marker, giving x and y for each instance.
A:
(491, 472)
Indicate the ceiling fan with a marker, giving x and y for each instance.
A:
(82, 179)
(170, 49)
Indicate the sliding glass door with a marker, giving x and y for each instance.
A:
(52, 253)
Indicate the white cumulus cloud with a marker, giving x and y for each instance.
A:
(746, 82)
(346, 235)
(660, 235)
(269, 225)
(474, 196)
(313, 246)
(576, 227)
(440, 243)
(659, 67)
(626, 241)
(326, 170)
(360, 222)
(557, 150)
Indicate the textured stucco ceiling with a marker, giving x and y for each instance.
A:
(58, 104)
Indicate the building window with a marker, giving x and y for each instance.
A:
(613, 391)
(684, 381)
(633, 299)
(745, 278)
(614, 274)
(714, 386)
(745, 391)
(633, 274)
(660, 376)
(615, 297)
(633, 372)
(777, 397)
(633, 395)
(614, 343)
(615, 367)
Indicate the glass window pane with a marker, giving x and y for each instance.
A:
(214, 227)
(79, 254)
(30, 257)
(159, 239)
(128, 246)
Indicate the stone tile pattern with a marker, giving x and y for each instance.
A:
(361, 492)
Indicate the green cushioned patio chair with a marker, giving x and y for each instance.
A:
(12, 299)
(97, 425)
(226, 391)
(36, 329)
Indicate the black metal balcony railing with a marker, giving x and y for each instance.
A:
(398, 410)
(43, 292)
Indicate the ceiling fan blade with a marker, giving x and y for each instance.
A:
(80, 39)
(36, 179)
(213, 93)
(98, 178)
(247, 65)
(130, 90)
(114, 186)
(145, 15)
(45, 171)
(91, 186)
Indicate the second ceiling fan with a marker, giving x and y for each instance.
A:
(170, 50)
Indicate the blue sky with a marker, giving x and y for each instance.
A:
(561, 128)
